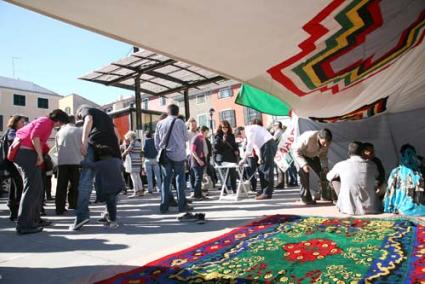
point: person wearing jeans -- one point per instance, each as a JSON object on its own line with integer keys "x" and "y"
{"x": 198, "y": 161}
{"x": 98, "y": 129}
{"x": 178, "y": 167}
{"x": 85, "y": 186}
{"x": 171, "y": 136}
{"x": 151, "y": 164}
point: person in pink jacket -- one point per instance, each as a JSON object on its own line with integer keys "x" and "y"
{"x": 29, "y": 161}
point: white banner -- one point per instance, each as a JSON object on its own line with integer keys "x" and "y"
{"x": 283, "y": 158}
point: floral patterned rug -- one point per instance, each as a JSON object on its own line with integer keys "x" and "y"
{"x": 295, "y": 249}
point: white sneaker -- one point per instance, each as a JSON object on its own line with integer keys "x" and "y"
{"x": 78, "y": 224}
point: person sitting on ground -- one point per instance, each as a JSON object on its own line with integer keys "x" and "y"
{"x": 134, "y": 152}
{"x": 369, "y": 154}
{"x": 405, "y": 190}
{"x": 310, "y": 152}
{"x": 356, "y": 193}
{"x": 262, "y": 141}
{"x": 198, "y": 161}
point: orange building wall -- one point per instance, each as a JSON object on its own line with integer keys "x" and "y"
{"x": 229, "y": 103}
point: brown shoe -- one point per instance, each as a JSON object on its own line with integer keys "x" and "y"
{"x": 263, "y": 197}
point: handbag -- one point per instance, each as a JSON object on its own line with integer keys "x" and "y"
{"x": 162, "y": 154}
{"x": 127, "y": 163}
{"x": 13, "y": 149}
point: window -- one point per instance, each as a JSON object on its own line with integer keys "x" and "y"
{"x": 251, "y": 114}
{"x": 203, "y": 120}
{"x": 68, "y": 110}
{"x": 18, "y": 100}
{"x": 225, "y": 93}
{"x": 145, "y": 103}
{"x": 201, "y": 99}
{"x": 229, "y": 115}
{"x": 162, "y": 101}
{"x": 1, "y": 122}
{"x": 43, "y": 103}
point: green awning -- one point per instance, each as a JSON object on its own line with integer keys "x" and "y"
{"x": 261, "y": 101}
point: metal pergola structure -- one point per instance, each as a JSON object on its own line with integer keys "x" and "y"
{"x": 154, "y": 74}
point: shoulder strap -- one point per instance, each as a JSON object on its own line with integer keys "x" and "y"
{"x": 167, "y": 137}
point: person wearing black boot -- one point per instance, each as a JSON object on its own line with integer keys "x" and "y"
{"x": 16, "y": 186}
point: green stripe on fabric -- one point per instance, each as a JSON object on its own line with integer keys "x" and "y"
{"x": 261, "y": 101}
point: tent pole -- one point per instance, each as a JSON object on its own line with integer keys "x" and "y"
{"x": 138, "y": 101}
{"x": 186, "y": 103}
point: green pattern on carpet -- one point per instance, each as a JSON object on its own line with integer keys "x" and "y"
{"x": 295, "y": 249}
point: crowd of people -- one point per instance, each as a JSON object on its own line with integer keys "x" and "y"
{"x": 91, "y": 156}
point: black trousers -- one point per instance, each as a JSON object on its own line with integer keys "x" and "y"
{"x": 67, "y": 174}
{"x": 305, "y": 193}
{"x": 250, "y": 171}
{"x": 266, "y": 168}
{"x": 15, "y": 191}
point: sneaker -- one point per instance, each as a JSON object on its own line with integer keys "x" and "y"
{"x": 78, "y": 224}
{"x": 104, "y": 218}
{"x": 113, "y": 224}
{"x": 201, "y": 218}
{"x": 136, "y": 194}
{"x": 187, "y": 217}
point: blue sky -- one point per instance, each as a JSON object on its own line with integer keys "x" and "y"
{"x": 53, "y": 54}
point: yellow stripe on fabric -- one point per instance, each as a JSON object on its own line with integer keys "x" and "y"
{"x": 342, "y": 41}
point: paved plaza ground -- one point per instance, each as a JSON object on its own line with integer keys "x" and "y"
{"x": 59, "y": 256}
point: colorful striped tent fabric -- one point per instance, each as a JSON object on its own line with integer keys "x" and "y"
{"x": 325, "y": 59}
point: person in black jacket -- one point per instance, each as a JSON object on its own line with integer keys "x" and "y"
{"x": 16, "y": 184}
{"x": 226, "y": 150}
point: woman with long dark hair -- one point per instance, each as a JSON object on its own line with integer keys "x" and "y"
{"x": 29, "y": 161}
{"x": 15, "y": 122}
{"x": 226, "y": 150}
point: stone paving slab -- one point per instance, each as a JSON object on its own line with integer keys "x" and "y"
{"x": 59, "y": 256}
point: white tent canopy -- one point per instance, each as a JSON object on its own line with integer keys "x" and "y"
{"x": 323, "y": 58}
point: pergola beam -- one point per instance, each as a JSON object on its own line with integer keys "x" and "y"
{"x": 141, "y": 71}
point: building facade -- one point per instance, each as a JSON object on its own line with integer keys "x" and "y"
{"x": 24, "y": 98}
{"x": 70, "y": 103}
{"x": 221, "y": 99}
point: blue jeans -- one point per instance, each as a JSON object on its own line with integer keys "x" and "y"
{"x": 152, "y": 168}
{"x": 178, "y": 169}
{"x": 199, "y": 174}
{"x": 111, "y": 206}
{"x": 85, "y": 187}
